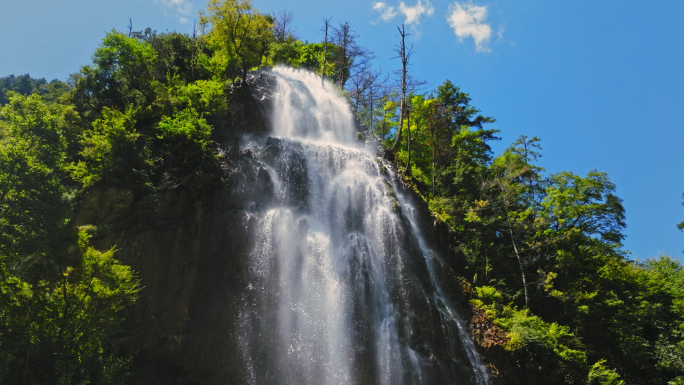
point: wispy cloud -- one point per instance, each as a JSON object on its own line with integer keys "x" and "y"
{"x": 468, "y": 20}
{"x": 387, "y": 12}
{"x": 500, "y": 31}
{"x": 181, "y": 8}
{"x": 412, "y": 14}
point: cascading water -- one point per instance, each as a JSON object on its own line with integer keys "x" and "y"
{"x": 342, "y": 288}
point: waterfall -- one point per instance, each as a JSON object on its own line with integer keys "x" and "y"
{"x": 342, "y": 288}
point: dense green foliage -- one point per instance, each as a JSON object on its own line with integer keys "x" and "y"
{"x": 540, "y": 251}
{"x": 57, "y": 319}
{"x": 25, "y": 85}
{"x": 60, "y": 299}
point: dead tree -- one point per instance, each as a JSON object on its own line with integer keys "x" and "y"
{"x": 349, "y": 56}
{"x": 282, "y": 26}
{"x": 368, "y": 85}
{"x": 377, "y": 88}
{"x": 325, "y": 48}
{"x": 404, "y": 56}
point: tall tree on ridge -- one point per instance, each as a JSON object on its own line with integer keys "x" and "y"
{"x": 377, "y": 88}
{"x": 368, "y": 86}
{"x": 404, "y": 57}
{"x": 282, "y": 26}
{"x": 325, "y": 51}
{"x": 349, "y": 55}
{"x": 241, "y": 33}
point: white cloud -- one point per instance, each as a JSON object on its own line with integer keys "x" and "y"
{"x": 414, "y": 13}
{"x": 468, "y": 20}
{"x": 181, "y": 8}
{"x": 387, "y": 12}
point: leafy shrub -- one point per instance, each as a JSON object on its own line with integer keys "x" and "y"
{"x": 59, "y": 328}
{"x": 602, "y": 375}
{"x": 110, "y": 149}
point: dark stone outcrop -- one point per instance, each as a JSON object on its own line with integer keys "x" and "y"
{"x": 189, "y": 246}
{"x": 191, "y": 262}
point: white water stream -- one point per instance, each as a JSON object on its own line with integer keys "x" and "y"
{"x": 342, "y": 286}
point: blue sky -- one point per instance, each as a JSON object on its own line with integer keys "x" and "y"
{"x": 600, "y": 82}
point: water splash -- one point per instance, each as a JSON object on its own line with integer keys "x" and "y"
{"x": 307, "y": 108}
{"x": 342, "y": 287}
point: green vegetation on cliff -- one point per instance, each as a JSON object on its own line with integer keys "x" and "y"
{"x": 60, "y": 299}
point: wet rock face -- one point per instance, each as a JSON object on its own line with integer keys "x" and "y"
{"x": 381, "y": 286}
{"x": 249, "y": 109}
{"x": 191, "y": 259}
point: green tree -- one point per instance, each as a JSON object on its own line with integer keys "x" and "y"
{"x": 26, "y": 85}
{"x": 542, "y": 352}
{"x": 112, "y": 150}
{"x": 59, "y": 306}
{"x": 31, "y": 167}
{"x": 458, "y": 115}
{"x": 176, "y": 55}
{"x": 121, "y": 75}
{"x": 183, "y": 148}
{"x": 241, "y": 34}
{"x": 348, "y": 55}
{"x": 513, "y": 197}
{"x": 460, "y": 152}
{"x": 58, "y": 329}
{"x": 288, "y": 53}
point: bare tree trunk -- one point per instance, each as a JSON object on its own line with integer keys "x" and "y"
{"x": 193, "y": 61}
{"x": 370, "y": 120}
{"x": 517, "y": 255}
{"x": 433, "y": 131}
{"x": 522, "y": 269}
{"x": 384, "y": 122}
{"x": 397, "y": 142}
{"x": 401, "y": 50}
{"x": 434, "y": 170}
{"x": 325, "y": 49}
{"x": 342, "y": 40}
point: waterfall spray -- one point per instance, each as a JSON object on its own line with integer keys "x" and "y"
{"x": 342, "y": 286}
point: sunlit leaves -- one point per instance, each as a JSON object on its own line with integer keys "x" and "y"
{"x": 121, "y": 75}
{"x": 587, "y": 204}
{"x": 110, "y": 147}
{"x": 31, "y": 167}
{"x": 185, "y": 125}
{"x": 240, "y": 33}
{"x": 55, "y": 330}
{"x": 548, "y": 350}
